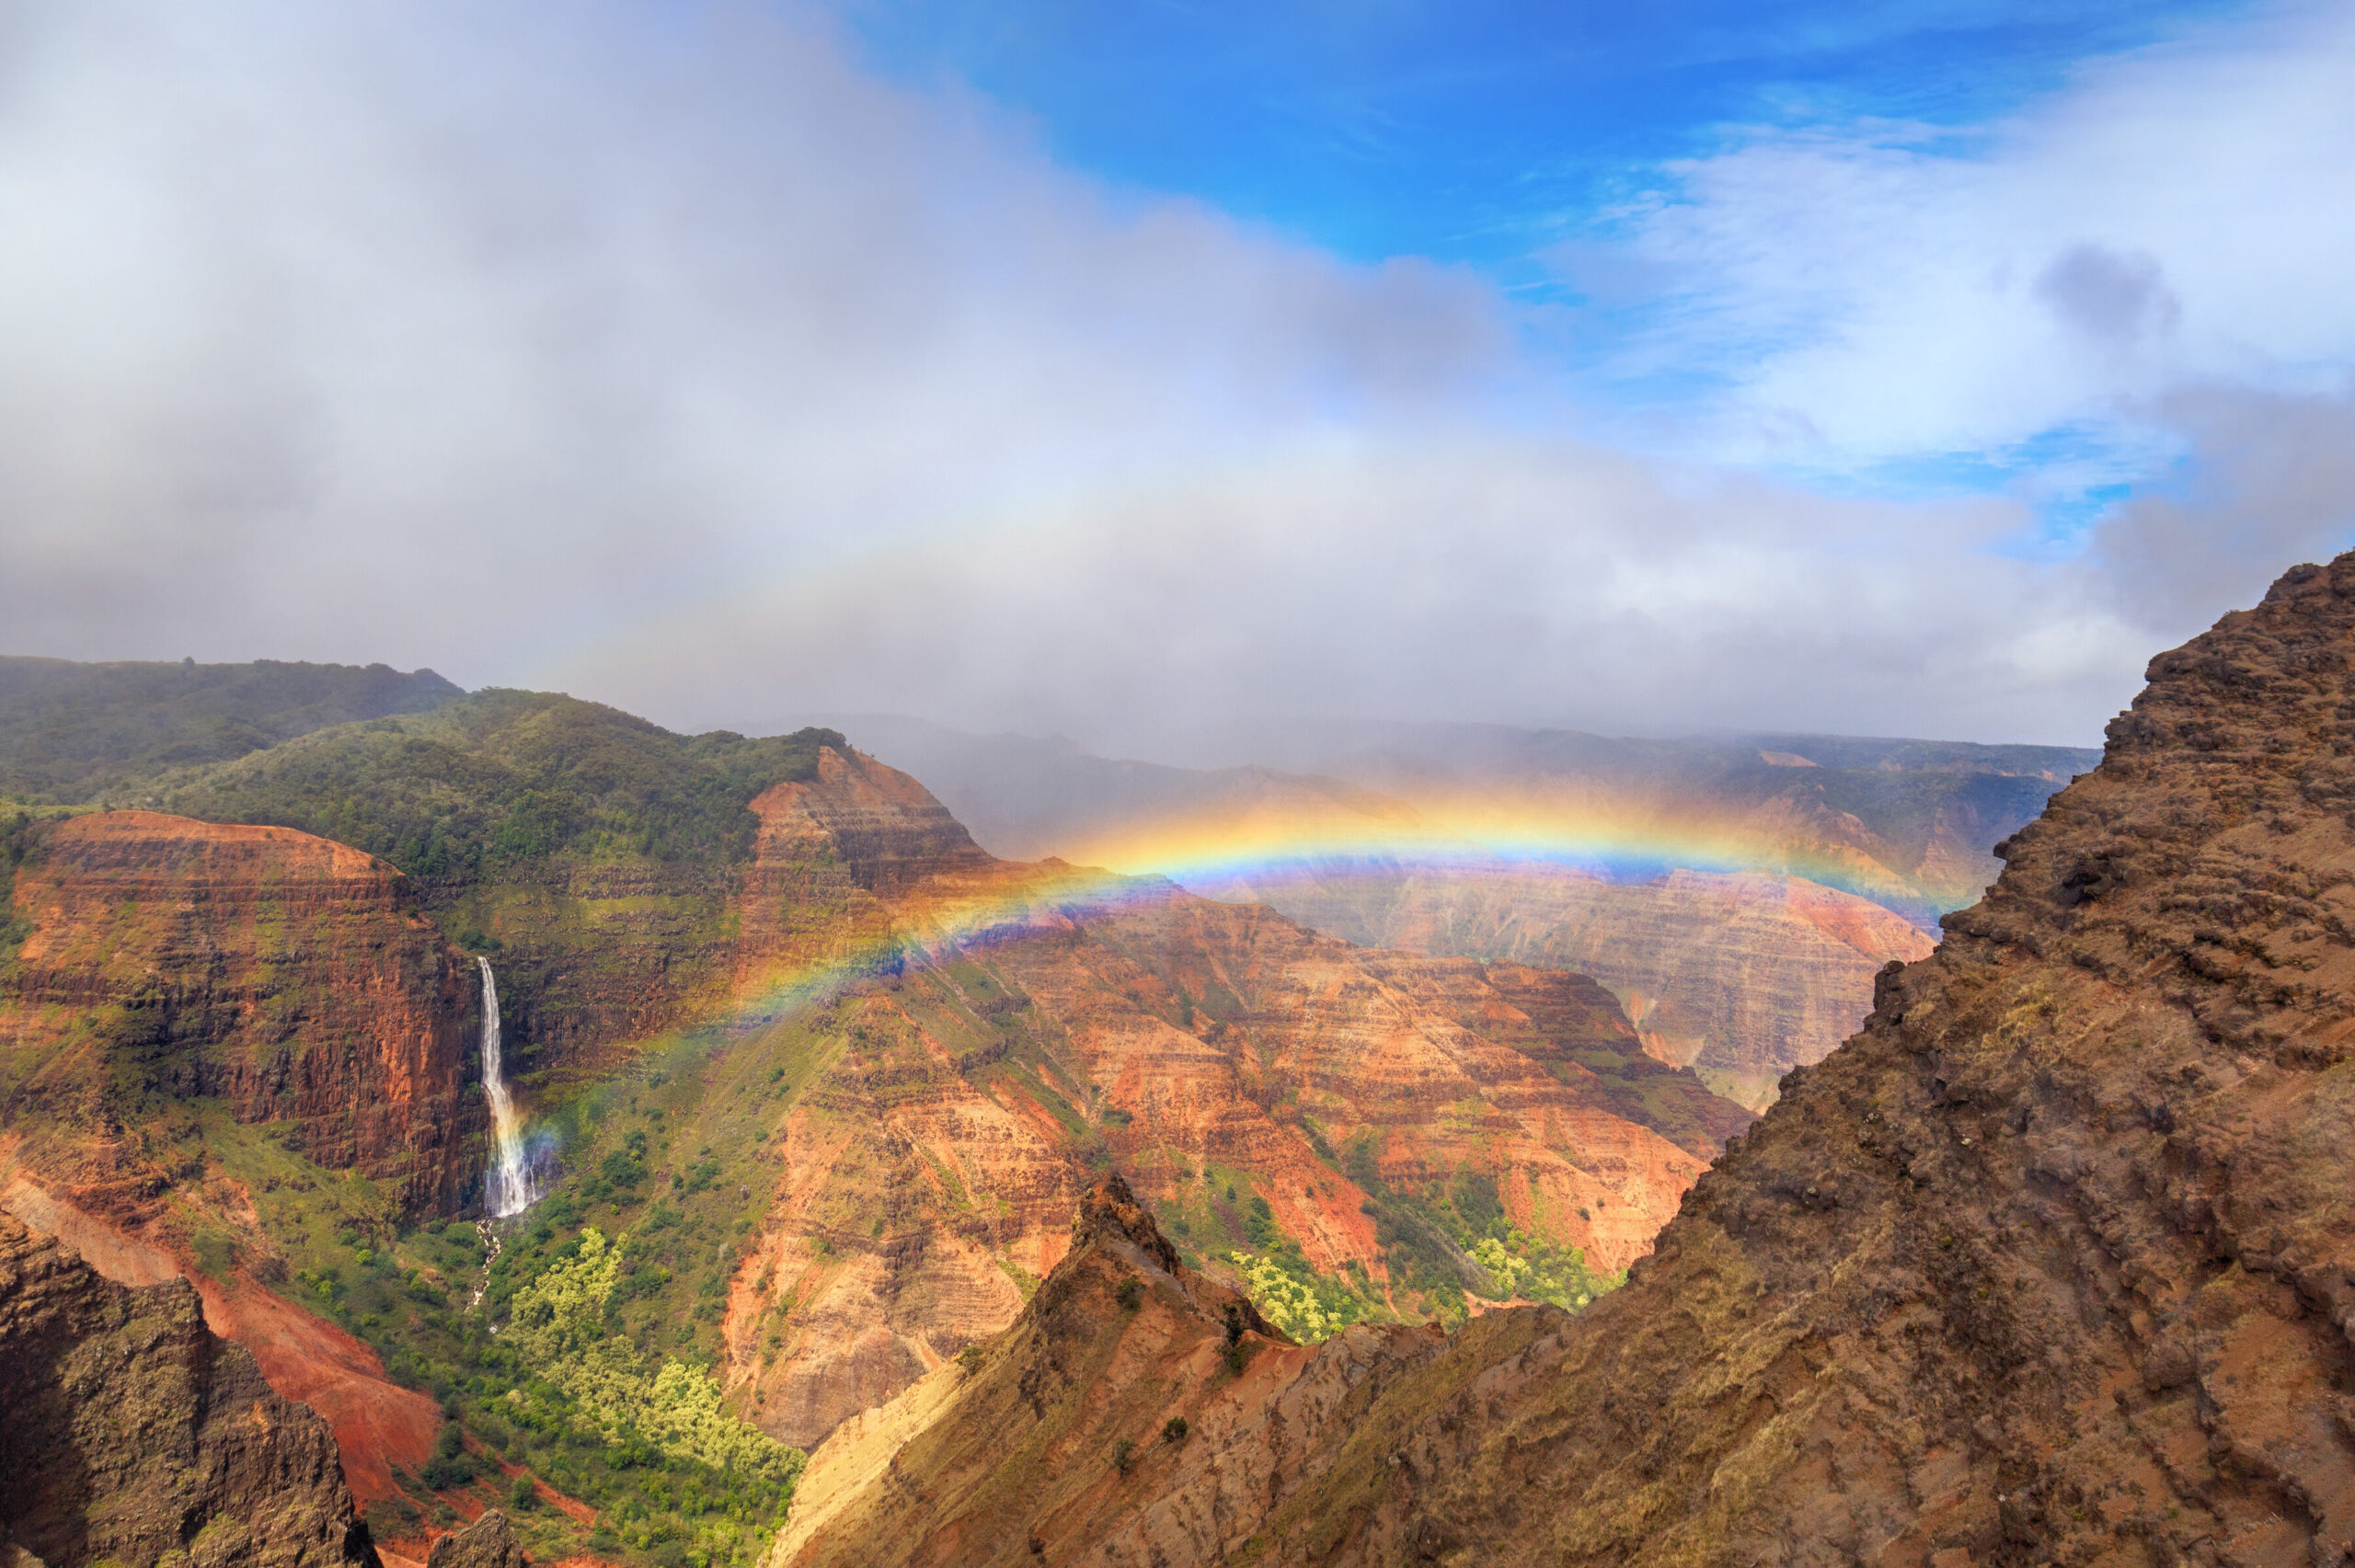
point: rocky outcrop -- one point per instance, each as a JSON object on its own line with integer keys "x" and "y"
{"x": 489, "y": 1542}
{"x": 291, "y": 976}
{"x": 1132, "y": 1413}
{"x": 132, "y": 1435}
{"x": 1739, "y": 976}
{"x": 2050, "y": 1265}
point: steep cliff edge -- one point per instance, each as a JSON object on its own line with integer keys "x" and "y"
{"x": 2052, "y": 1265}
{"x": 1133, "y": 1410}
{"x": 290, "y": 976}
{"x": 132, "y": 1435}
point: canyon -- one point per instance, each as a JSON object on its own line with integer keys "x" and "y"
{"x": 1739, "y": 976}
{"x": 1557, "y": 848}
{"x": 827, "y": 1081}
{"x": 869, "y": 1097}
{"x": 2050, "y": 1265}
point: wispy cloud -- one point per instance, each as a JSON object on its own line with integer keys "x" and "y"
{"x": 1867, "y": 294}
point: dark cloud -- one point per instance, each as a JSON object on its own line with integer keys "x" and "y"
{"x": 2120, "y": 300}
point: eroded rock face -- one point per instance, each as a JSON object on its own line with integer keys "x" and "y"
{"x": 1739, "y": 976}
{"x": 131, "y": 1434}
{"x": 1135, "y": 1411}
{"x": 489, "y": 1542}
{"x": 2053, "y": 1263}
{"x": 927, "y": 1172}
{"x": 287, "y": 974}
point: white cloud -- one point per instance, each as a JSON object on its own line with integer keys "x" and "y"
{"x": 668, "y": 359}
{"x": 2172, "y": 217}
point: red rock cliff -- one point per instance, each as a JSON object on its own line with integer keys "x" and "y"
{"x": 289, "y": 975}
{"x": 132, "y": 1435}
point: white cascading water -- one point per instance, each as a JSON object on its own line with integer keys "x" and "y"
{"x": 509, "y": 1183}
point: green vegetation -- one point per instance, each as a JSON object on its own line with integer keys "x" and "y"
{"x": 15, "y": 843}
{"x": 588, "y": 1363}
{"x": 1462, "y": 1240}
{"x": 1309, "y": 1306}
{"x": 500, "y": 782}
{"x": 73, "y": 734}
{"x": 558, "y": 1324}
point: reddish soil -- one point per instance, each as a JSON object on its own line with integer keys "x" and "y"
{"x": 376, "y": 1421}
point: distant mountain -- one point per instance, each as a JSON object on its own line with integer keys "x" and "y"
{"x": 1906, "y": 823}
{"x": 1027, "y": 798}
{"x": 1736, "y": 895}
{"x": 70, "y": 733}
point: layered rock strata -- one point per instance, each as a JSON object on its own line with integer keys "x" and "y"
{"x": 2052, "y": 1265}
{"x": 291, "y": 977}
{"x": 1020, "y": 1025}
{"x": 1132, "y": 1403}
{"x": 1739, "y": 976}
{"x": 132, "y": 1435}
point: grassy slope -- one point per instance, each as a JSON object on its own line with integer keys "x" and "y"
{"x": 76, "y": 733}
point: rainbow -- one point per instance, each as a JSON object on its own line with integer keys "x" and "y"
{"x": 1145, "y": 864}
{"x": 1218, "y": 856}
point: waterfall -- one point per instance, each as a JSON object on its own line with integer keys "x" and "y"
{"x": 508, "y": 1186}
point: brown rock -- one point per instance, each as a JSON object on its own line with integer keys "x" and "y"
{"x": 1739, "y": 976}
{"x": 131, "y": 1434}
{"x": 1061, "y": 1441}
{"x": 1173, "y": 1034}
{"x": 489, "y": 1542}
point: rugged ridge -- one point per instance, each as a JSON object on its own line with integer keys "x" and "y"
{"x": 2052, "y": 1263}
{"x": 132, "y": 1435}
{"x": 1741, "y": 977}
{"x": 1126, "y": 1415}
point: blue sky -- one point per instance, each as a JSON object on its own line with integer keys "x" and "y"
{"x": 1515, "y": 139}
{"x": 1150, "y": 372}
{"x": 1474, "y": 133}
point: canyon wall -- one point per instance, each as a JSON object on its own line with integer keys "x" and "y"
{"x": 993, "y": 1033}
{"x": 289, "y": 977}
{"x": 2050, "y": 1265}
{"x": 1741, "y": 977}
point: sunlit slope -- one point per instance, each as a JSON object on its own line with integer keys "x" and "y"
{"x": 2050, "y": 1264}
